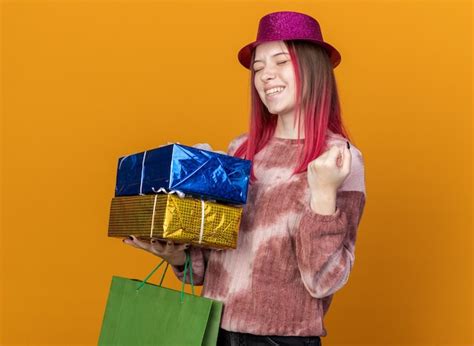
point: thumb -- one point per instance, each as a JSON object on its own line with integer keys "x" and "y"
{"x": 181, "y": 247}
{"x": 334, "y": 154}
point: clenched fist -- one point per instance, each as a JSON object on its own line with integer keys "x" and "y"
{"x": 327, "y": 172}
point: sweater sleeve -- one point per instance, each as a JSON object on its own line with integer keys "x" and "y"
{"x": 199, "y": 256}
{"x": 325, "y": 244}
{"x": 236, "y": 143}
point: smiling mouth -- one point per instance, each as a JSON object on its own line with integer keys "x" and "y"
{"x": 274, "y": 91}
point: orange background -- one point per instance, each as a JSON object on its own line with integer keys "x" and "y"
{"x": 84, "y": 83}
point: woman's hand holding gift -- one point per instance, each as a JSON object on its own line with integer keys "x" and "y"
{"x": 172, "y": 253}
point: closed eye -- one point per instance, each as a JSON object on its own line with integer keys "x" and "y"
{"x": 278, "y": 63}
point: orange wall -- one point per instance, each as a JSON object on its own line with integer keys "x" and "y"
{"x": 84, "y": 83}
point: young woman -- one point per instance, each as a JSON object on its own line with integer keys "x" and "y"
{"x": 305, "y": 200}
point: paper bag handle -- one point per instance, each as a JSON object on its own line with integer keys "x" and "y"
{"x": 187, "y": 265}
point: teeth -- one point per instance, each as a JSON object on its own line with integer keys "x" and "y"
{"x": 274, "y": 90}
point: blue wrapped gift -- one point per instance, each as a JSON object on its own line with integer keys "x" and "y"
{"x": 197, "y": 172}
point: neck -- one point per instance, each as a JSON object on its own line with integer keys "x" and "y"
{"x": 286, "y": 127}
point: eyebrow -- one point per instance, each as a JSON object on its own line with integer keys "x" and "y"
{"x": 272, "y": 56}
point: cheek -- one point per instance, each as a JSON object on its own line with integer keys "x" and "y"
{"x": 292, "y": 89}
{"x": 290, "y": 78}
{"x": 260, "y": 92}
{"x": 258, "y": 85}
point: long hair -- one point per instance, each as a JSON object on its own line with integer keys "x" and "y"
{"x": 316, "y": 101}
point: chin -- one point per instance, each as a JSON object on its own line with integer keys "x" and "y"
{"x": 276, "y": 110}
{"x": 271, "y": 111}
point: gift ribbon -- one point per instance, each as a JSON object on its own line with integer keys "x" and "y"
{"x": 143, "y": 173}
{"x": 142, "y": 177}
{"x": 122, "y": 160}
{"x": 180, "y": 195}
{"x": 201, "y": 232}
{"x": 153, "y": 217}
{"x": 162, "y": 189}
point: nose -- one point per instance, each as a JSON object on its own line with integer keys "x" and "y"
{"x": 267, "y": 74}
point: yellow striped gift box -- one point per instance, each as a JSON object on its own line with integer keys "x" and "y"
{"x": 182, "y": 220}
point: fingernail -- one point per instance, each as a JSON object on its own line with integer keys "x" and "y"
{"x": 170, "y": 243}
{"x": 348, "y": 145}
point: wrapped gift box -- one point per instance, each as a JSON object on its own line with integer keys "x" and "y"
{"x": 197, "y": 172}
{"x": 183, "y": 220}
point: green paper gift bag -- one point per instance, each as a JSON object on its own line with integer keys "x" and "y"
{"x": 140, "y": 313}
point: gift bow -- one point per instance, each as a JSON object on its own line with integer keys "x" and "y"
{"x": 162, "y": 189}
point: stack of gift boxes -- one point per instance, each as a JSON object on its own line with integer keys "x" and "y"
{"x": 180, "y": 193}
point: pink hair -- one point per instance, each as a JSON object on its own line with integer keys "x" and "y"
{"x": 320, "y": 106}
